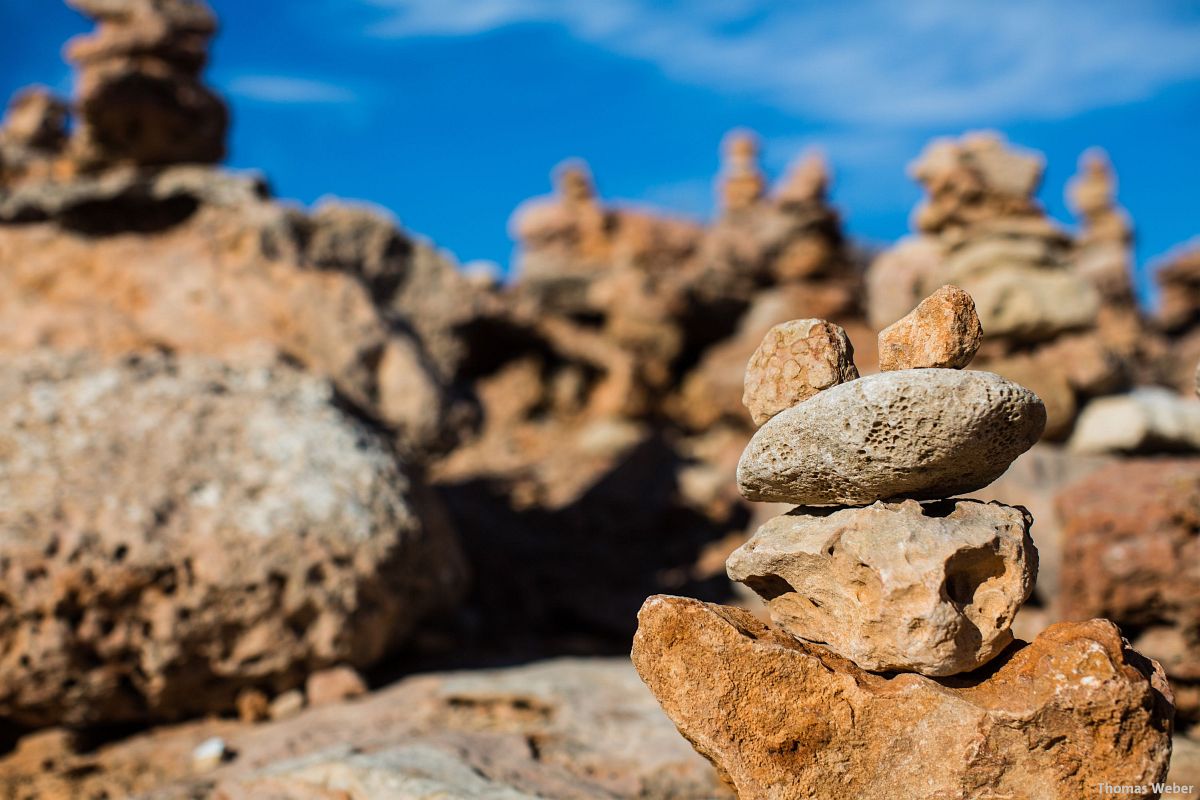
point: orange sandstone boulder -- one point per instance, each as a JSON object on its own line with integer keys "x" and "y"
{"x": 781, "y": 719}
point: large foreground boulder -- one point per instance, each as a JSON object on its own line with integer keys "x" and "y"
{"x": 174, "y": 530}
{"x": 780, "y": 719}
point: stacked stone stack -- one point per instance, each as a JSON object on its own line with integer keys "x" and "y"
{"x": 881, "y": 586}
{"x": 144, "y": 63}
{"x": 862, "y": 567}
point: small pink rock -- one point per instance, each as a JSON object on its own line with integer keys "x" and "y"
{"x": 943, "y": 331}
{"x": 796, "y": 360}
{"x": 333, "y": 686}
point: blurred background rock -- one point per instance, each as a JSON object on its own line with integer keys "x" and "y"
{"x": 259, "y": 458}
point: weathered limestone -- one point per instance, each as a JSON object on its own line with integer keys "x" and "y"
{"x": 796, "y": 360}
{"x": 781, "y": 719}
{"x": 922, "y": 434}
{"x": 929, "y": 588}
{"x": 175, "y": 530}
{"x": 1147, "y": 420}
{"x": 943, "y": 331}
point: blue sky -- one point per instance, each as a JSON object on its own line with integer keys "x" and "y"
{"x": 451, "y": 112}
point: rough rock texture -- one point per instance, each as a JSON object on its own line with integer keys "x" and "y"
{"x": 943, "y": 331}
{"x": 33, "y": 135}
{"x": 581, "y": 729}
{"x": 1033, "y": 482}
{"x": 908, "y": 587}
{"x": 143, "y": 63}
{"x": 781, "y": 719}
{"x": 1147, "y": 420}
{"x": 220, "y": 268}
{"x": 1185, "y": 762}
{"x": 1131, "y": 553}
{"x": 796, "y": 360}
{"x": 173, "y": 531}
{"x": 1179, "y": 280}
{"x": 923, "y": 434}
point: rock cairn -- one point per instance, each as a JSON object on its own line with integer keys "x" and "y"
{"x": 880, "y": 586}
{"x": 1106, "y": 233}
{"x": 144, "y": 63}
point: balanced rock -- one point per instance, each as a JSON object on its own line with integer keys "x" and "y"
{"x": 796, "y": 360}
{"x": 921, "y": 434}
{"x": 781, "y": 719}
{"x": 943, "y": 331}
{"x": 916, "y": 588}
{"x": 174, "y": 531}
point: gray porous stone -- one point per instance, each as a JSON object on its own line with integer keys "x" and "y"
{"x": 922, "y": 434}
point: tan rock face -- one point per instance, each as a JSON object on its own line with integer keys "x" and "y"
{"x": 175, "y": 530}
{"x": 232, "y": 274}
{"x": 1131, "y": 553}
{"x": 781, "y": 719}
{"x": 796, "y": 360}
{"x": 927, "y": 588}
{"x": 924, "y": 434}
{"x": 943, "y": 331}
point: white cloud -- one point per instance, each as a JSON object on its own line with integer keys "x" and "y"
{"x": 882, "y": 62}
{"x": 284, "y": 89}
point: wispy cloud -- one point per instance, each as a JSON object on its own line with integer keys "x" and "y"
{"x": 938, "y": 62}
{"x": 289, "y": 90}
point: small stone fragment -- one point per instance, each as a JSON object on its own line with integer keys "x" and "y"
{"x": 909, "y": 587}
{"x": 920, "y": 434}
{"x": 796, "y": 360}
{"x": 288, "y": 704}
{"x": 333, "y": 686}
{"x": 252, "y": 706}
{"x": 782, "y": 719}
{"x": 943, "y": 331}
{"x": 209, "y": 754}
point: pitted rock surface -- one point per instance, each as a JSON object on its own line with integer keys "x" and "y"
{"x": 175, "y": 530}
{"x": 783, "y": 720}
{"x": 920, "y": 434}
{"x": 796, "y": 360}
{"x": 908, "y": 587}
